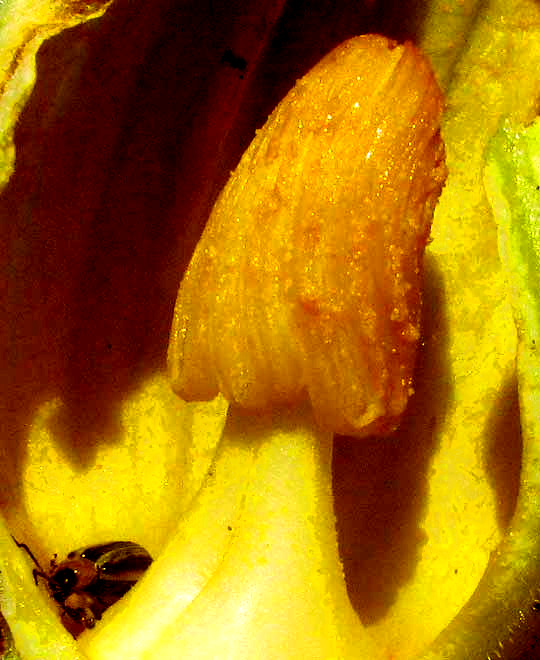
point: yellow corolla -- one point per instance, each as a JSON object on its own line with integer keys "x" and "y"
{"x": 249, "y": 560}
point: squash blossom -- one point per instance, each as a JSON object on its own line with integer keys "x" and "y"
{"x": 273, "y": 537}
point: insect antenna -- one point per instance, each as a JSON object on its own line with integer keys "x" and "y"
{"x": 36, "y": 571}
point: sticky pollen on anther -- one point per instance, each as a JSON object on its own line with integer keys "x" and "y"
{"x": 307, "y": 280}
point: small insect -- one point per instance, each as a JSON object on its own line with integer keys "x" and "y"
{"x": 89, "y": 580}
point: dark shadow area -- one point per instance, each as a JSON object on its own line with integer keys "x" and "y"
{"x": 401, "y": 20}
{"x": 503, "y": 450}
{"x": 380, "y": 484}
